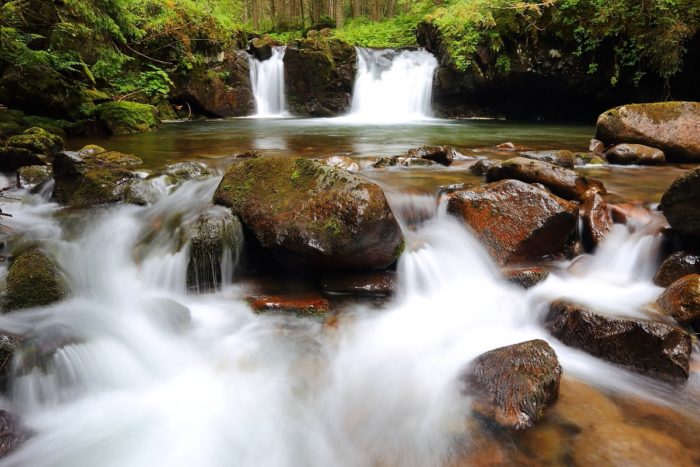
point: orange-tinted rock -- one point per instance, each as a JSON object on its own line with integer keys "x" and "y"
{"x": 514, "y": 384}
{"x": 561, "y": 158}
{"x": 516, "y": 222}
{"x": 637, "y": 154}
{"x": 583, "y": 406}
{"x": 677, "y": 265}
{"x": 296, "y": 304}
{"x": 681, "y": 300}
{"x": 597, "y": 220}
{"x": 596, "y": 146}
{"x": 525, "y": 277}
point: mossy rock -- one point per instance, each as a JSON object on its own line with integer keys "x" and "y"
{"x": 8, "y": 347}
{"x": 37, "y": 140}
{"x": 33, "y": 175}
{"x": 125, "y": 118}
{"x": 589, "y": 158}
{"x": 308, "y": 213}
{"x": 33, "y": 280}
{"x": 12, "y": 159}
{"x": 91, "y": 177}
{"x": 188, "y": 170}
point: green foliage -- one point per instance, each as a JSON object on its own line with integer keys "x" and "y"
{"x": 153, "y": 82}
{"x": 399, "y": 31}
{"x": 127, "y": 117}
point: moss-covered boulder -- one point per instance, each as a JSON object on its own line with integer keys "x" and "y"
{"x": 308, "y": 213}
{"x": 189, "y": 170}
{"x": 91, "y": 176}
{"x": 673, "y": 127}
{"x": 215, "y": 247}
{"x": 37, "y": 140}
{"x": 33, "y": 175}
{"x": 125, "y": 118}
{"x": 33, "y": 280}
{"x": 681, "y": 204}
{"x": 12, "y": 159}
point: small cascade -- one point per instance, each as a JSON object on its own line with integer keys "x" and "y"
{"x": 393, "y": 86}
{"x": 267, "y": 79}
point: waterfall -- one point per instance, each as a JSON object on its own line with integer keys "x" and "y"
{"x": 267, "y": 79}
{"x": 393, "y": 86}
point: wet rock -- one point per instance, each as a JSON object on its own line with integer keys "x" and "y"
{"x": 303, "y": 305}
{"x": 514, "y": 384}
{"x": 670, "y": 126}
{"x": 582, "y": 406}
{"x": 372, "y": 284}
{"x": 481, "y": 166}
{"x": 8, "y": 347}
{"x": 625, "y": 445}
{"x": 188, "y": 170}
{"x": 33, "y": 280}
{"x": 247, "y": 155}
{"x": 562, "y": 182}
{"x": 260, "y": 48}
{"x": 33, "y": 175}
{"x": 126, "y": 118}
{"x": 308, "y": 213}
{"x": 676, "y": 266}
{"x": 525, "y": 277}
{"x": 681, "y": 300}
{"x": 510, "y": 146}
{"x": 37, "y": 140}
{"x": 681, "y": 204}
{"x": 597, "y": 220}
{"x": 443, "y": 155}
{"x": 637, "y": 154}
{"x": 12, "y": 435}
{"x": 12, "y": 159}
{"x": 561, "y": 158}
{"x": 517, "y": 222}
{"x": 589, "y": 158}
{"x": 215, "y": 248}
{"x": 656, "y": 349}
{"x": 89, "y": 180}
{"x": 400, "y": 161}
{"x": 447, "y": 189}
{"x": 596, "y": 146}
{"x": 342, "y": 162}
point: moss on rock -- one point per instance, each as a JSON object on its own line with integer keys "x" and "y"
{"x": 37, "y": 140}
{"x": 33, "y": 175}
{"x": 33, "y": 280}
{"x": 124, "y": 118}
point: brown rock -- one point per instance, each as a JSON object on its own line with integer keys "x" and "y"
{"x": 443, "y": 155}
{"x": 11, "y": 433}
{"x": 676, "y": 266}
{"x": 681, "y": 204}
{"x": 481, "y": 166}
{"x": 526, "y": 277}
{"x": 516, "y": 222}
{"x": 657, "y": 349}
{"x": 561, "y": 158}
{"x": 342, "y": 162}
{"x": 673, "y": 127}
{"x": 514, "y": 384}
{"x": 305, "y": 305}
{"x": 597, "y": 220}
{"x": 596, "y": 146}
{"x": 637, "y": 154}
{"x": 562, "y": 182}
{"x": 681, "y": 300}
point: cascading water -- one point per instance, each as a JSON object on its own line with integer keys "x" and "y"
{"x": 393, "y": 86}
{"x": 135, "y": 384}
{"x": 267, "y": 79}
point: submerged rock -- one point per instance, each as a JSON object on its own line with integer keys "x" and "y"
{"x": 562, "y": 182}
{"x": 597, "y": 220}
{"x": 589, "y": 158}
{"x": 517, "y": 222}
{"x": 481, "y": 166}
{"x": 681, "y": 204}
{"x": 12, "y": 159}
{"x": 125, "y": 118}
{"x": 638, "y": 154}
{"x": 188, "y": 170}
{"x": 673, "y": 127}
{"x": 91, "y": 177}
{"x": 372, "y": 284}
{"x": 215, "y": 248}
{"x": 33, "y": 280}
{"x": 342, "y": 162}
{"x": 681, "y": 300}
{"x": 37, "y": 140}
{"x": 514, "y": 384}
{"x": 401, "y": 161}
{"x": 561, "y": 158}
{"x": 525, "y": 277}
{"x": 308, "y": 213}
{"x": 304, "y": 305}
{"x": 656, "y": 349}
{"x": 676, "y": 266}
{"x": 11, "y": 433}
{"x": 443, "y": 155}
{"x": 33, "y": 175}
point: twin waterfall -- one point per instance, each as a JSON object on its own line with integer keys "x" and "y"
{"x": 391, "y": 86}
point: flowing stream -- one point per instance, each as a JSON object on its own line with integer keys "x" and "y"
{"x": 137, "y": 383}
{"x": 267, "y": 79}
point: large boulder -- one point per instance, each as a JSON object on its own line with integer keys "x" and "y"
{"x": 516, "y": 222}
{"x": 637, "y": 154}
{"x": 656, "y": 349}
{"x": 514, "y": 384}
{"x": 125, "y": 118}
{"x": 306, "y": 212}
{"x": 681, "y": 300}
{"x": 676, "y": 266}
{"x": 215, "y": 248}
{"x": 319, "y": 76}
{"x": 93, "y": 176}
{"x": 681, "y": 204}
{"x": 673, "y": 127}
{"x": 33, "y": 280}
{"x": 562, "y": 182}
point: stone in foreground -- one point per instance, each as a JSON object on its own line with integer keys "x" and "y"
{"x": 517, "y": 222}
{"x": 514, "y": 384}
{"x": 637, "y": 154}
{"x": 655, "y": 349}
{"x": 681, "y": 204}
{"x": 676, "y": 266}
{"x": 681, "y": 300}
{"x": 307, "y": 213}
{"x": 525, "y": 277}
{"x": 33, "y": 280}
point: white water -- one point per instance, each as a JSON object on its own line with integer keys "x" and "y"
{"x": 392, "y": 86}
{"x": 234, "y": 388}
{"x": 267, "y": 79}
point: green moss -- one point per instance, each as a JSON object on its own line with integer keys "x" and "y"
{"x": 33, "y": 175}
{"x": 657, "y": 112}
{"x": 33, "y": 280}
{"x": 123, "y": 118}
{"x": 37, "y": 140}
